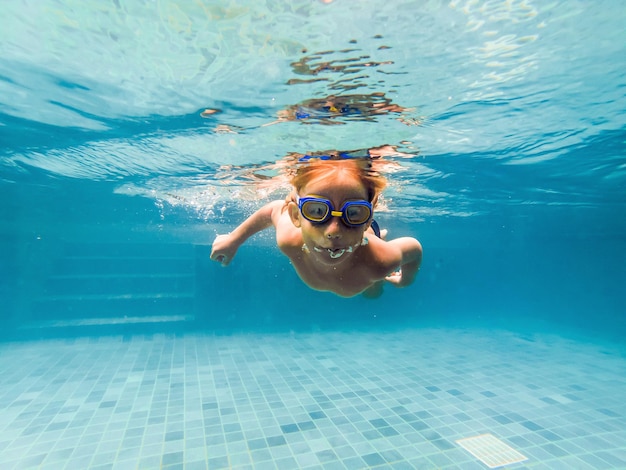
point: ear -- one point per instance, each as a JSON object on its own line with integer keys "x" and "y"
{"x": 294, "y": 214}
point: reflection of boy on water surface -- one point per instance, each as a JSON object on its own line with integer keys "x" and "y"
{"x": 350, "y": 107}
{"x": 333, "y": 109}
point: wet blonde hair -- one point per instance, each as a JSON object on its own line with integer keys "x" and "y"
{"x": 362, "y": 169}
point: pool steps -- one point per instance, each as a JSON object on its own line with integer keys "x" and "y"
{"x": 116, "y": 285}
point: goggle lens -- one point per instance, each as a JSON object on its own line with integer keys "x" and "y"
{"x": 315, "y": 211}
{"x": 357, "y": 213}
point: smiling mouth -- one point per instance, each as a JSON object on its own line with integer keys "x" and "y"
{"x": 334, "y": 254}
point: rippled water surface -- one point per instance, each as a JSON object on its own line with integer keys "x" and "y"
{"x": 500, "y": 101}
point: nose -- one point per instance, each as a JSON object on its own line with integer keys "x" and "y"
{"x": 333, "y": 229}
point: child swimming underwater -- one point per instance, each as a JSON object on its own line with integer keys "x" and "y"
{"x": 325, "y": 227}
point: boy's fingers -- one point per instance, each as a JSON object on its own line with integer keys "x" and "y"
{"x": 222, "y": 259}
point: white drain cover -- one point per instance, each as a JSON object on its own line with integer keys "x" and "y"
{"x": 490, "y": 450}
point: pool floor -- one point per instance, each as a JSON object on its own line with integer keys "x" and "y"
{"x": 328, "y": 400}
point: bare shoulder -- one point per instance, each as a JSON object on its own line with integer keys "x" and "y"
{"x": 277, "y": 208}
{"x": 391, "y": 254}
{"x": 409, "y": 246}
{"x": 288, "y": 236}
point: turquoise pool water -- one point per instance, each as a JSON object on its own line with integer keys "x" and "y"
{"x": 132, "y": 133}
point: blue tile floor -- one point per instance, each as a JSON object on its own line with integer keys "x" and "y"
{"x": 330, "y": 400}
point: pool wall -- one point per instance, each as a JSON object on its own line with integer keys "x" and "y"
{"x": 76, "y": 251}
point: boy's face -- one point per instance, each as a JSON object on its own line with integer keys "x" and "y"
{"x": 331, "y": 242}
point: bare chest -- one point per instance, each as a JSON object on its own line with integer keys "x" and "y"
{"x": 345, "y": 281}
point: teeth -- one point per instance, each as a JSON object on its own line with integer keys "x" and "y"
{"x": 336, "y": 255}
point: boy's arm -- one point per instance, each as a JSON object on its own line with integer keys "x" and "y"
{"x": 225, "y": 246}
{"x": 411, "y": 260}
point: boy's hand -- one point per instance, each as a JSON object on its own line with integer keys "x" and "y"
{"x": 223, "y": 249}
{"x": 395, "y": 278}
{"x": 411, "y": 261}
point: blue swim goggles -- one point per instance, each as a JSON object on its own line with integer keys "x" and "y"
{"x": 319, "y": 210}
